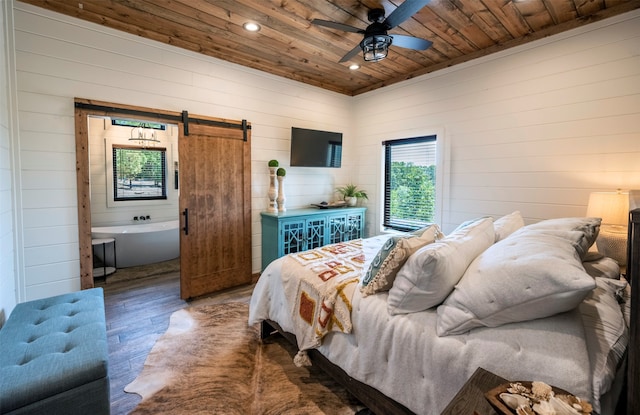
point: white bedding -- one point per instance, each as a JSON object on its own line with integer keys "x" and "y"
{"x": 402, "y": 357}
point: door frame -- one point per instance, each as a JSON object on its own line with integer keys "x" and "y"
{"x": 87, "y": 107}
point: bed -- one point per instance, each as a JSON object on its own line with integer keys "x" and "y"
{"x": 404, "y": 320}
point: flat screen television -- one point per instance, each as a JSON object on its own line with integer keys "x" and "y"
{"x": 313, "y": 148}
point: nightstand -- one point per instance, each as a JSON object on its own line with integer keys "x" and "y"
{"x": 470, "y": 399}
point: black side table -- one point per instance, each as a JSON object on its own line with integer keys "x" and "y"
{"x": 104, "y": 270}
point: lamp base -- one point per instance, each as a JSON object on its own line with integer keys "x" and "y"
{"x": 612, "y": 242}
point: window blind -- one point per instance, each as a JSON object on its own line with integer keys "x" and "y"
{"x": 410, "y": 181}
{"x": 139, "y": 173}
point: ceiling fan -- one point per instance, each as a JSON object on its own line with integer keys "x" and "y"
{"x": 376, "y": 41}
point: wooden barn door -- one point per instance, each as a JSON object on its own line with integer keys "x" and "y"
{"x": 215, "y": 208}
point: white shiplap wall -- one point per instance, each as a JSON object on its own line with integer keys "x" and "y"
{"x": 59, "y": 58}
{"x": 7, "y": 247}
{"x": 534, "y": 128}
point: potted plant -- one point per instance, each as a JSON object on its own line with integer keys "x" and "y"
{"x": 273, "y": 163}
{"x": 350, "y": 194}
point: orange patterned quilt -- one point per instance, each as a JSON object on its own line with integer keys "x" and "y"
{"x": 319, "y": 285}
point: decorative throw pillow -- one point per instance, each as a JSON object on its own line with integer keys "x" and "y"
{"x": 590, "y": 227}
{"x": 507, "y": 225}
{"x": 392, "y": 256}
{"x": 529, "y": 275}
{"x": 431, "y": 273}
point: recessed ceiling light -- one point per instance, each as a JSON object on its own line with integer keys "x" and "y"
{"x": 251, "y": 27}
{"x": 354, "y": 66}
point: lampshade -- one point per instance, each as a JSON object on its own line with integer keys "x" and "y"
{"x": 375, "y": 47}
{"x": 612, "y": 207}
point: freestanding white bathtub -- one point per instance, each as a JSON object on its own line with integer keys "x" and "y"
{"x": 141, "y": 244}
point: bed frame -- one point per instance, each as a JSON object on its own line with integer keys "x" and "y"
{"x": 376, "y": 401}
{"x": 379, "y": 403}
{"x": 633, "y": 276}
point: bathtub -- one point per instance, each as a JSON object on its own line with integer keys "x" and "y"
{"x": 141, "y": 244}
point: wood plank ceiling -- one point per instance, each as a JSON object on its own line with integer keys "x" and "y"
{"x": 289, "y": 45}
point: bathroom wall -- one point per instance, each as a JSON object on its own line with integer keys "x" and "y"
{"x": 104, "y": 210}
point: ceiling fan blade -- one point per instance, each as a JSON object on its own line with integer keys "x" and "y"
{"x": 410, "y": 42}
{"x": 351, "y": 54}
{"x": 405, "y": 11}
{"x": 335, "y": 25}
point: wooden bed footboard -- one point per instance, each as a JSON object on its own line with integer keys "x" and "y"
{"x": 373, "y": 399}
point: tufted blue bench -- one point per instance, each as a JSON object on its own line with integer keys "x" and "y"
{"x": 54, "y": 356}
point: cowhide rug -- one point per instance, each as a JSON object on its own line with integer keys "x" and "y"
{"x": 211, "y": 362}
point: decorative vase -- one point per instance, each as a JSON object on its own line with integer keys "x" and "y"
{"x": 273, "y": 193}
{"x": 281, "y": 197}
{"x": 351, "y": 201}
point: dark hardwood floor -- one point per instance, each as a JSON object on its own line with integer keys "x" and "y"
{"x": 137, "y": 313}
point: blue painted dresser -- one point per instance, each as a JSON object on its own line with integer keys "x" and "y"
{"x": 301, "y": 229}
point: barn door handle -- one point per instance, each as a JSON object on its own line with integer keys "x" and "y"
{"x": 186, "y": 221}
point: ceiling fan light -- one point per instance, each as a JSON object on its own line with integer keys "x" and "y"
{"x": 375, "y": 48}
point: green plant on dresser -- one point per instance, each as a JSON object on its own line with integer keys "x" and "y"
{"x": 302, "y": 229}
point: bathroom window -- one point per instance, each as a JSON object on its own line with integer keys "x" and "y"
{"x": 139, "y": 173}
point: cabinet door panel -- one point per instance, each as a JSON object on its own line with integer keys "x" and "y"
{"x": 316, "y": 229}
{"x": 293, "y": 237}
{"x": 337, "y": 227}
{"x": 354, "y": 227}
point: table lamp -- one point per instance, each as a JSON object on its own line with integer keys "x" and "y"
{"x": 613, "y": 208}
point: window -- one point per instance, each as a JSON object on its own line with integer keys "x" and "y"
{"x": 409, "y": 183}
{"x": 139, "y": 173}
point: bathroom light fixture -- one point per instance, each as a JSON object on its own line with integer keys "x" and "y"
{"x": 354, "y": 66}
{"x": 251, "y": 27}
{"x": 613, "y": 208}
{"x": 144, "y": 136}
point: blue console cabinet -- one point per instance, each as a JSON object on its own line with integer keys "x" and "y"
{"x": 301, "y": 229}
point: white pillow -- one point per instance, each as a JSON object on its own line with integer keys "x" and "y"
{"x": 590, "y": 227}
{"x": 531, "y": 274}
{"x": 508, "y": 224}
{"x": 430, "y": 274}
